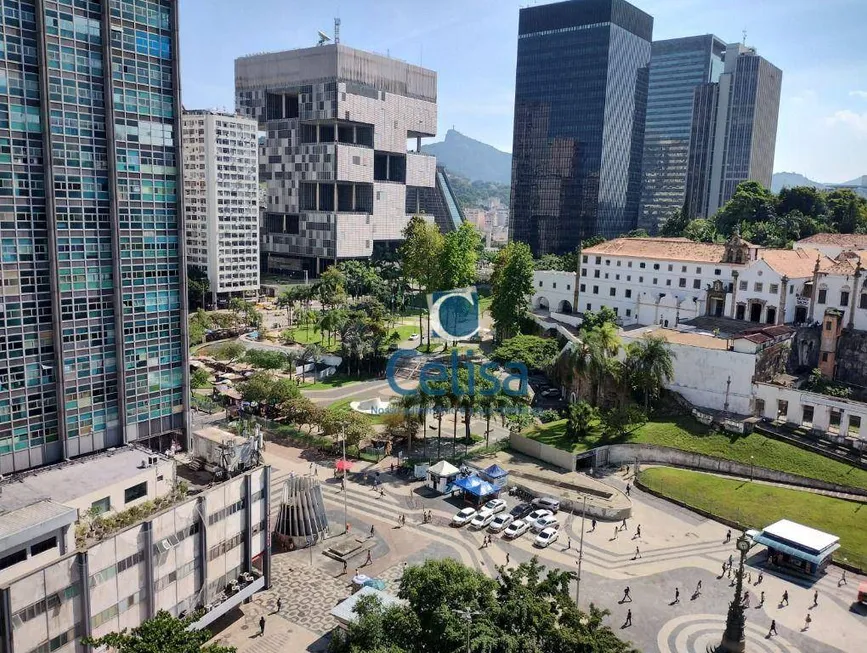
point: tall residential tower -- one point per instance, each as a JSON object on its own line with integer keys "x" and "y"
{"x": 734, "y": 130}
{"x": 580, "y": 100}
{"x": 677, "y": 67}
{"x": 340, "y": 180}
{"x": 221, "y": 200}
{"x": 93, "y": 321}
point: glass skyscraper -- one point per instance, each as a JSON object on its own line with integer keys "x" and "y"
{"x": 677, "y": 67}
{"x": 93, "y": 343}
{"x": 580, "y": 100}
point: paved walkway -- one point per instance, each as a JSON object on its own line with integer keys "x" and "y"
{"x": 677, "y": 549}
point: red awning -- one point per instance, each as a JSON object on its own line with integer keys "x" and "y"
{"x": 343, "y": 465}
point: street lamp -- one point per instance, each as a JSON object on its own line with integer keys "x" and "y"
{"x": 733, "y": 639}
{"x": 751, "y": 469}
{"x": 580, "y": 554}
{"x": 468, "y": 616}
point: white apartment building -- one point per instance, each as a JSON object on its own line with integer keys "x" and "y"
{"x": 221, "y": 199}
{"x": 209, "y": 550}
{"x": 667, "y": 281}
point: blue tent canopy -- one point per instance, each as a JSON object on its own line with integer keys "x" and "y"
{"x": 495, "y": 471}
{"x": 475, "y": 486}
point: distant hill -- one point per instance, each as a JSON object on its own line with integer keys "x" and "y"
{"x": 782, "y": 180}
{"x": 477, "y": 194}
{"x": 471, "y": 159}
{"x": 858, "y": 181}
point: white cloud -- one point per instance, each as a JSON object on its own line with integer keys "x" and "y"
{"x": 855, "y": 121}
{"x": 860, "y": 94}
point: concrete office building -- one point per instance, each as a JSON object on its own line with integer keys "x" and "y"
{"x": 734, "y": 130}
{"x": 580, "y": 100}
{"x": 93, "y": 316}
{"x": 340, "y": 181}
{"x": 210, "y": 550}
{"x": 221, "y": 203}
{"x": 677, "y": 67}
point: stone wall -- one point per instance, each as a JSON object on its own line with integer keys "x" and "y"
{"x": 804, "y": 355}
{"x": 545, "y": 452}
{"x": 852, "y": 357}
{"x": 628, "y": 453}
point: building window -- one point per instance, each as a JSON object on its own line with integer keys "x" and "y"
{"x": 13, "y": 559}
{"x": 670, "y": 267}
{"x": 828, "y": 325}
{"x": 608, "y": 261}
{"x": 135, "y": 492}
{"x": 668, "y": 282}
{"x": 782, "y": 409}
{"x": 589, "y": 307}
{"x": 595, "y": 274}
{"x": 583, "y": 272}
{"x": 598, "y": 260}
{"x": 640, "y": 279}
{"x": 642, "y": 265}
{"x": 612, "y": 292}
{"x": 774, "y": 288}
{"x": 717, "y": 272}
{"x": 758, "y": 286}
{"x": 595, "y": 290}
{"x": 698, "y": 270}
{"x": 628, "y": 293}
{"x": 540, "y": 284}
{"x": 844, "y": 298}
{"x": 863, "y": 302}
{"x": 584, "y": 259}
{"x": 554, "y": 284}
{"x": 43, "y": 546}
{"x": 654, "y": 281}
{"x": 656, "y": 266}
{"x": 568, "y": 286}
{"x": 682, "y": 282}
{"x": 742, "y": 285}
{"x": 629, "y": 264}
{"x": 823, "y": 294}
{"x": 696, "y": 284}
{"x": 582, "y": 287}
{"x": 101, "y": 506}
{"x": 628, "y": 312}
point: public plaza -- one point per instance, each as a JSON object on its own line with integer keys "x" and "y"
{"x": 678, "y": 549}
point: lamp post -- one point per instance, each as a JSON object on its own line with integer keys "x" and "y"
{"x": 733, "y": 639}
{"x": 580, "y": 554}
{"x": 468, "y": 616}
{"x": 751, "y": 469}
{"x": 345, "y": 489}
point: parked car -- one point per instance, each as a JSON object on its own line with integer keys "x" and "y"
{"x": 550, "y": 393}
{"x": 482, "y": 518}
{"x": 546, "y": 537}
{"x": 465, "y": 516}
{"x": 548, "y": 521}
{"x": 495, "y": 505}
{"x": 500, "y": 522}
{"x": 413, "y": 336}
{"x": 521, "y": 510}
{"x": 549, "y": 503}
{"x": 537, "y": 514}
{"x": 516, "y": 529}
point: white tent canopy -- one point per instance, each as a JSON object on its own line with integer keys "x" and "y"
{"x": 443, "y": 468}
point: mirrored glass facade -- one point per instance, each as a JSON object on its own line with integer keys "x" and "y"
{"x": 580, "y": 101}
{"x": 677, "y": 67}
{"x": 93, "y": 344}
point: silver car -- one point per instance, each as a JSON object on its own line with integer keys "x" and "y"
{"x": 500, "y": 523}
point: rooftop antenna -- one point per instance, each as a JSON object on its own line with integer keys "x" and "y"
{"x": 337, "y": 30}
{"x": 323, "y": 38}
{"x": 745, "y": 35}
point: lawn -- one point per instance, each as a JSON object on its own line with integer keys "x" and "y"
{"x": 344, "y": 403}
{"x": 756, "y": 505}
{"x": 688, "y": 435}
{"x": 334, "y": 381}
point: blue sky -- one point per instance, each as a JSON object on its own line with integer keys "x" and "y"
{"x": 819, "y": 45}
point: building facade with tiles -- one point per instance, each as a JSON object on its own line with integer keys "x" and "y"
{"x": 339, "y": 178}
{"x": 221, "y": 200}
{"x": 176, "y": 560}
{"x": 93, "y": 347}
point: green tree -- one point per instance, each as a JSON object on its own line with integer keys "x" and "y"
{"x": 595, "y": 319}
{"x": 421, "y": 254}
{"x": 804, "y": 199}
{"x": 343, "y": 421}
{"x": 460, "y": 257}
{"x": 847, "y": 211}
{"x": 331, "y": 287}
{"x": 602, "y": 344}
{"x": 228, "y": 351}
{"x": 199, "y": 378}
{"x": 581, "y": 421}
{"x": 701, "y": 230}
{"x": 620, "y": 419}
{"x": 162, "y": 634}
{"x": 750, "y": 203}
{"x": 512, "y": 288}
{"x": 675, "y": 224}
{"x": 547, "y": 262}
{"x": 361, "y": 278}
{"x": 535, "y": 352}
{"x": 200, "y": 322}
{"x": 267, "y": 359}
{"x": 592, "y": 241}
{"x": 257, "y": 388}
{"x": 198, "y": 285}
{"x": 238, "y": 307}
{"x": 649, "y": 366}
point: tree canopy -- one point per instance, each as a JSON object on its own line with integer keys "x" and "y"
{"x": 528, "y": 609}
{"x": 162, "y": 634}
{"x": 512, "y": 288}
{"x": 535, "y": 352}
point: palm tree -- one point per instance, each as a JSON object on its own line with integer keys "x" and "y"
{"x": 649, "y": 365}
{"x": 602, "y": 343}
{"x": 440, "y": 408}
{"x": 312, "y": 352}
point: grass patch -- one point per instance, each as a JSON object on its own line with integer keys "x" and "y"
{"x": 334, "y": 381}
{"x": 688, "y": 435}
{"x": 756, "y": 505}
{"x": 344, "y": 403}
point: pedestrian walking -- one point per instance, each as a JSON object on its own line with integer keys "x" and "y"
{"x": 592, "y": 524}
{"x": 808, "y": 621}
{"x": 842, "y": 579}
{"x": 627, "y": 489}
{"x": 677, "y": 595}
{"x": 728, "y": 536}
{"x": 637, "y": 554}
{"x": 369, "y": 558}
{"x": 815, "y": 598}
{"x": 316, "y": 471}
{"x": 723, "y": 570}
{"x": 569, "y": 544}
{"x": 785, "y": 597}
{"x": 372, "y": 530}
{"x": 261, "y": 625}
{"x": 761, "y": 599}
{"x": 731, "y": 560}
{"x": 616, "y": 531}
{"x": 279, "y": 604}
{"x": 392, "y": 468}
{"x": 345, "y": 566}
{"x": 773, "y": 629}
{"x": 626, "y": 596}
{"x": 746, "y": 599}
{"x": 698, "y": 588}
{"x": 638, "y": 531}
{"x": 729, "y": 571}
{"x": 310, "y": 467}
{"x": 507, "y": 557}
{"x": 628, "y": 621}
{"x": 623, "y": 525}
{"x": 760, "y": 578}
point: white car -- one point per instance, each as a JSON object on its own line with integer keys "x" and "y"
{"x": 548, "y": 521}
{"x": 500, "y": 522}
{"x": 516, "y": 529}
{"x": 495, "y": 505}
{"x": 464, "y": 517}
{"x": 547, "y": 536}
{"x": 413, "y": 336}
{"x": 537, "y": 514}
{"x": 482, "y": 518}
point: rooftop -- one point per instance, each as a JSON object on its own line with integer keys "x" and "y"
{"x": 800, "y": 534}
{"x": 218, "y": 435}
{"x": 689, "y": 338}
{"x": 670, "y": 249}
{"x": 345, "y": 610}
{"x": 794, "y": 263}
{"x": 846, "y": 241}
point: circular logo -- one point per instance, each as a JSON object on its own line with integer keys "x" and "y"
{"x": 455, "y": 314}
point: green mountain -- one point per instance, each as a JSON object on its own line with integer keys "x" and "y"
{"x": 471, "y": 159}
{"x": 782, "y": 180}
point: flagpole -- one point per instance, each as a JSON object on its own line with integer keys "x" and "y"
{"x": 345, "y": 518}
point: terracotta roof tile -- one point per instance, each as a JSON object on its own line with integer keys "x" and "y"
{"x": 794, "y": 263}
{"x": 669, "y": 249}
{"x": 846, "y": 241}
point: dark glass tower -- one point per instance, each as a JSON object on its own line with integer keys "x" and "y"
{"x": 677, "y": 67}
{"x": 93, "y": 326}
{"x": 580, "y": 100}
